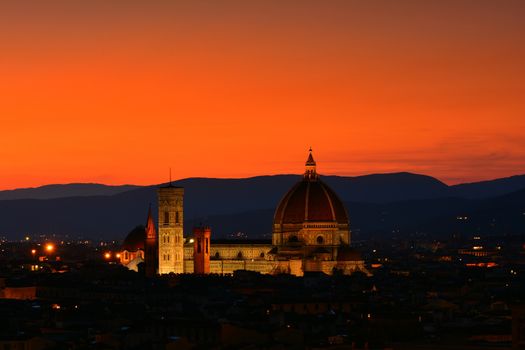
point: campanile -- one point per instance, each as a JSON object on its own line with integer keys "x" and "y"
{"x": 171, "y": 218}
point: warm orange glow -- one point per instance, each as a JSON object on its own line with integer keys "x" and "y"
{"x": 433, "y": 87}
{"x": 117, "y": 255}
{"x": 107, "y": 255}
{"x": 482, "y": 264}
{"x": 33, "y": 251}
{"x": 50, "y": 248}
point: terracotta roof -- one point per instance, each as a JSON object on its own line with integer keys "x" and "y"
{"x": 310, "y": 201}
{"x": 135, "y": 239}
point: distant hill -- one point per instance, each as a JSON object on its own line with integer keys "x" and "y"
{"x": 367, "y": 188}
{"x": 66, "y": 190}
{"x": 376, "y": 203}
{"x": 485, "y": 189}
{"x": 379, "y": 188}
{"x": 499, "y": 215}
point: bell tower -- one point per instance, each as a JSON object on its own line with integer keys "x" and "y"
{"x": 171, "y": 241}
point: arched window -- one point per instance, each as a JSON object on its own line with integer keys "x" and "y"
{"x": 217, "y": 255}
{"x": 239, "y": 255}
{"x": 293, "y": 239}
{"x": 166, "y": 218}
{"x": 320, "y": 240}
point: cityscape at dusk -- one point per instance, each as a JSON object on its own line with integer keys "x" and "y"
{"x": 262, "y": 175}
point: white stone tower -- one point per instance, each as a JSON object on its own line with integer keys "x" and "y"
{"x": 171, "y": 218}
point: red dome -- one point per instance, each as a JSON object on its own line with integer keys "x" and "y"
{"x": 135, "y": 239}
{"x": 310, "y": 200}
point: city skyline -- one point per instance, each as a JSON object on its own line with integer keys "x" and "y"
{"x": 101, "y": 92}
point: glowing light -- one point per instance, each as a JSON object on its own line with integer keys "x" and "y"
{"x": 55, "y": 307}
{"x": 50, "y": 247}
{"x": 482, "y": 264}
{"x": 27, "y": 238}
{"x": 192, "y": 240}
{"x": 33, "y": 251}
{"x": 107, "y": 255}
{"x": 117, "y": 255}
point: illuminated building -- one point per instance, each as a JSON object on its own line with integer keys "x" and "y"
{"x": 201, "y": 250}
{"x": 132, "y": 253}
{"x": 170, "y": 224}
{"x": 310, "y": 233}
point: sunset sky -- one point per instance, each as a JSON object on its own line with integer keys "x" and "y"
{"x": 115, "y": 91}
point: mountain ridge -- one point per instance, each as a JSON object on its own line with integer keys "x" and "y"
{"x": 222, "y": 202}
{"x": 74, "y": 189}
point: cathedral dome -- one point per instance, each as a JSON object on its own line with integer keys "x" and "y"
{"x": 135, "y": 239}
{"x": 310, "y": 200}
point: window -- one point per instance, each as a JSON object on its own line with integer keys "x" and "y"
{"x": 320, "y": 240}
{"x": 198, "y": 245}
{"x": 166, "y": 218}
{"x": 176, "y": 217}
{"x": 206, "y": 245}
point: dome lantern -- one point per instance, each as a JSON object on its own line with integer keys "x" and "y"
{"x": 310, "y": 172}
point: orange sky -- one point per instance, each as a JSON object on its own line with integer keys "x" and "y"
{"x": 117, "y": 91}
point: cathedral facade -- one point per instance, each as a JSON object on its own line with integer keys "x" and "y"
{"x": 310, "y": 233}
